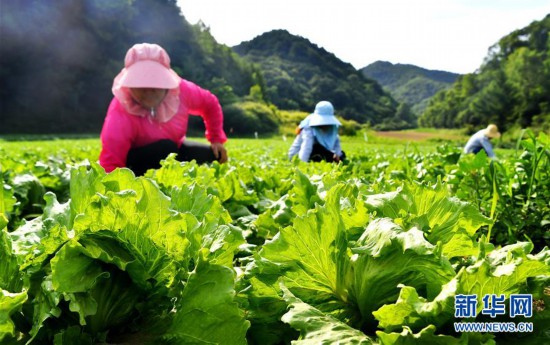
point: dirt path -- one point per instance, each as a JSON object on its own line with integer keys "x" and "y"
{"x": 414, "y": 136}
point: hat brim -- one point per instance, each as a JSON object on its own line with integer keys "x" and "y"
{"x": 491, "y": 134}
{"x": 149, "y": 74}
{"x": 319, "y": 120}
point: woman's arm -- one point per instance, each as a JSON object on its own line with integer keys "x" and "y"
{"x": 307, "y": 144}
{"x": 488, "y": 147}
{"x": 338, "y": 147}
{"x": 116, "y": 138}
{"x": 295, "y": 147}
{"x": 205, "y": 104}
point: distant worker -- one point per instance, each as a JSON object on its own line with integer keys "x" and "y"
{"x": 148, "y": 116}
{"x": 481, "y": 141}
{"x": 317, "y": 139}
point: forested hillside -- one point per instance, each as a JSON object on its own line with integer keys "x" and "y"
{"x": 511, "y": 88}
{"x": 58, "y": 59}
{"x": 408, "y": 83}
{"x": 298, "y": 74}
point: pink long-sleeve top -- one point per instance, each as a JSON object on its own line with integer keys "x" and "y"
{"x": 123, "y": 131}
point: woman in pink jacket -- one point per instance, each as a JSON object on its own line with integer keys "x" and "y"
{"x": 147, "y": 118}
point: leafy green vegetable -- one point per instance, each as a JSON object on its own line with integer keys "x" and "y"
{"x": 206, "y": 312}
{"x": 9, "y": 303}
{"x": 318, "y": 328}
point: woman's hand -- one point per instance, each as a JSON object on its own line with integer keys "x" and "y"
{"x": 219, "y": 152}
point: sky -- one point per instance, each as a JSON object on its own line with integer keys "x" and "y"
{"x": 447, "y": 35}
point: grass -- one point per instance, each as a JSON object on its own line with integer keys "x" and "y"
{"x": 362, "y": 143}
{"x": 46, "y": 137}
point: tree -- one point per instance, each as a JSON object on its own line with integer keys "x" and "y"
{"x": 512, "y": 87}
{"x": 528, "y": 81}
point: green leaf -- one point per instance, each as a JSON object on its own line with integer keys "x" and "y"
{"x": 303, "y": 195}
{"x": 173, "y": 173}
{"x": 72, "y": 271}
{"x": 312, "y": 256}
{"x": 45, "y": 301}
{"x": 104, "y": 296}
{"x": 143, "y": 220}
{"x": 221, "y": 244}
{"x": 10, "y": 277}
{"x": 473, "y": 163}
{"x": 426, "y": 336}
{"x": 387, "y": 256}
{"x": 198, "y": 202}
{"x": 7, "y": 204}
{"x": 278, "y": 215}
{"x": 353, "y": 210}
{"x": 84, "y": 186}
{"x": 41, "y": 237}
{"x": 318, "y": 328}
{"x": 54, "y": 212}
{"x": 29, "y": 191}
{"x": 207, "y": 313}
{"x": 264, "y": 309}
{"x": 504, "y": 271}
{"x": 73, "y": 335}
{"x": 444, "y": 218}
{"x": 416, "y": 312}
{"x": 9, "y": 303}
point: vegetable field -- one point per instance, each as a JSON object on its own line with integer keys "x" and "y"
{"x": 262, "y": 250}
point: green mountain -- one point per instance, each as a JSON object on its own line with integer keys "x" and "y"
{"x": 298, "y": 74}
{"x": 57, "y": 69}
{"x": 408, "y": 83}
{"x": 511, "y": 88}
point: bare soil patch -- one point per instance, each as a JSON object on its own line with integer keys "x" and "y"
{"x": 415, "y": 136}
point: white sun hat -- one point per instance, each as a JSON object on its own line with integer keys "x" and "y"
{"x": 323, "y": 115}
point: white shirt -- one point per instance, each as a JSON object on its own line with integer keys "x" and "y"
{"x": 478, "y": 142}
{"x": 303, "y": 145}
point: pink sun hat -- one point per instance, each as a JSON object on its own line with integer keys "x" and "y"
{"x": 147, "y": 66}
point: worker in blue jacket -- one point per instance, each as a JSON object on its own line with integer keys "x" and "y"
{"x": 481, "y": 141}
{"x": 318, "y": 138}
